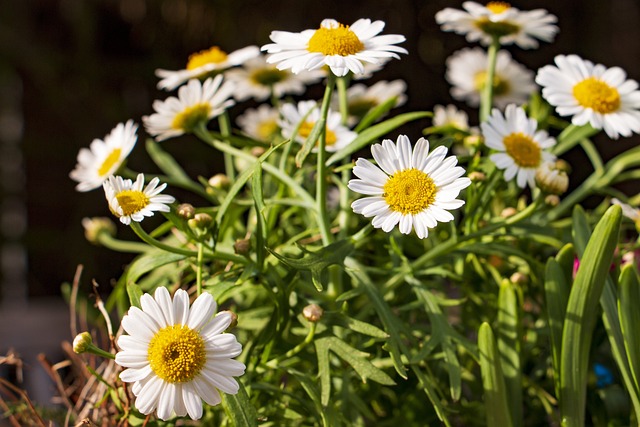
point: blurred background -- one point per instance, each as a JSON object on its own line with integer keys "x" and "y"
{"x": 70, "y": 70}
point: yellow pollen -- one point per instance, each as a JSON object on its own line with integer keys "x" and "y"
{"x": 204, "y": 57}
{"x": 268, "y": 76}
{"x": 523, "y": 150}
{"x": 132, "y": 201}
{"x": 597, "y": 95}
{"x": 500, "y": 85}
{"x": 498, "y": 6}
{"x": 188, "y": 119}
{"x": 305, "y": 130}
{"x": 409, "y": 191}
{"x": 176, "y": 353}
{"x": 109, "y": 162}
{"x": 335, "y": 41}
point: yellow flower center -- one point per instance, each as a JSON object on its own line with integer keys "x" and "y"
{"x": 204, "y": 57}
{"x": 109, "y": 162}
{"x": 267, "y": 128}
{"x": 132, "y": 201}
{"x": 523, "y": 150}
{"x": 335, "y": 41}
{"x": 188, "y": 119}
{"x": 597, "y": 95}
{"x": 498, "y": 6}
{"x": 305, "y": 130}
{"x": 500, "y": 85}
{"x": 409, "y": 191}
{"x": 268, "y": 76}
{"x": 176, "y": 353}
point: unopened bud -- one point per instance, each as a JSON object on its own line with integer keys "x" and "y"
{"x": 186, "y": 210}
{"x": 257, "y": 151}
{"x": 471, "y": 141}
{"x": 201, "y": 221}
{"x": 313, "y": 313}
{"x": 551, "y": 180}
{"x": 234, "y": 318}
{"x": 242, "y": 246}
{"x": 518, "y": 278}
{"x": 563, "y": 166}
{"x": 93, "y": 227}
{"x": 220, "y": 181}
{"x": 507, "y": 212}
{"x": 82, "y": 342}
{"x": 476, "y": 176}
{"x": 552, "y": 200}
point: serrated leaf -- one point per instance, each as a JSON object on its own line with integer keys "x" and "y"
{"x": 239, "y": 409}
{"x": 495, "y": 390}
{"x": 354, "y": 325}
{"x": 316, "y": 262}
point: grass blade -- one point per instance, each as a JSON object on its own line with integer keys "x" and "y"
{"x": 495, "y": 390}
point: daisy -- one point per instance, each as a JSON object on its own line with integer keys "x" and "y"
{"x": 261, "y": 123}
{"x": 176, "y": 355}
{"x": 594, "y": 94}
{"x": 499, "y": 19}
{"x": 467, "y": 73}
{"x": 409, "y": 187}
{"x": 521, "y": 148}
{"x": 258, "y": 79}
{"x": 450, "y": 116}
{"x": 129, "y": 201}
{"x": 204, "y": 62}
{"x": 103, "y": 158}
{"x": 342, "y": 48}
{"x": 305, "y": 115}
{"x": 362, "y": 99}
{"x": 196, "y": 103}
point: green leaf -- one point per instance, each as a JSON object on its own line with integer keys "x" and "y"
{"x": 311, "y": 141}
{"x": 375, "y": 113}
{"x": 166, "y": 162}
{"x": 135, "y": 292}
{"x": 571, "y": 135}
{"x": 316, "y": 262}
{"x": 630, "y": 318}
{"x": 580, "y": 318}
{"x": 261, "y": 229}
{"x": 557, "y": 295}
{"x": 374, "y": 132}
{"x": 509, "y": 344}
{"x": 495, "y": 390}
{"x": 149, "y": 262}
{"x": 239, "y": 409}
{"x": 355, "y": 358}
{"x": 365, "y": 328}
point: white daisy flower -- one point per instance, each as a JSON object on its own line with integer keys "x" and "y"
{"x": 467, "y": 73}
{"x": 361, "y": 98}
{"x": 260, "y": 123}
{"x": 196, "y": 103}
{"x": 342, "y": 48}
{"x": 257, "y": 79}
{"x": 305, "y": 115}
{"x": 130, "y": 201}
{"x": 104, "y": 158}
{"x": 497, "y": 18}
{"x": 204, "y": 62}
{"x": 521, "y": 147}
{"x": 409, "y": 187}
{"x": 176, "y": 355}
{"x": 450, "y": 116}
{"x": 594, "y": 94}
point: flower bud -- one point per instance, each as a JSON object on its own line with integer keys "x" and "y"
{"x": 313, "y": 313}
{"x": 563, "y": 166}
{"x": 220, "y": 181}
{"x": 186, "y": 210}
{"x": 551, "y": 180}
{"x": 552, "y": 200}
{"x": 201, "y": 221}
{"x": 507, "y": 212}
{"x": 471, "y": 141}
{"x": 82, "y": 342}
{"x": 476, "y": 176}
{"x": 257, "y": 151}
{"x": 242, "y": 246}
{"x": 518, "y": 278}
{"x": 93, "y": 227}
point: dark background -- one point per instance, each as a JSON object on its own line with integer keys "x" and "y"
{"x": 70, "y": 70}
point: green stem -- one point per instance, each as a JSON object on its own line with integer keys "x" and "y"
{"x": 321, "y": 172}
{"x": 99, "y": 352}
{"x": 342, "y": 84}
{"x": 486, "y": 100}
{"x": 109, "y": 242}
{"x": 297, "y": 349}
{"x": 218, "y": 255}
{"x": 225, "y": 130}
{"x": 199, "y": 260}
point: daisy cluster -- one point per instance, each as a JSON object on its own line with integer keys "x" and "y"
{"x": 293, "y": 179}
